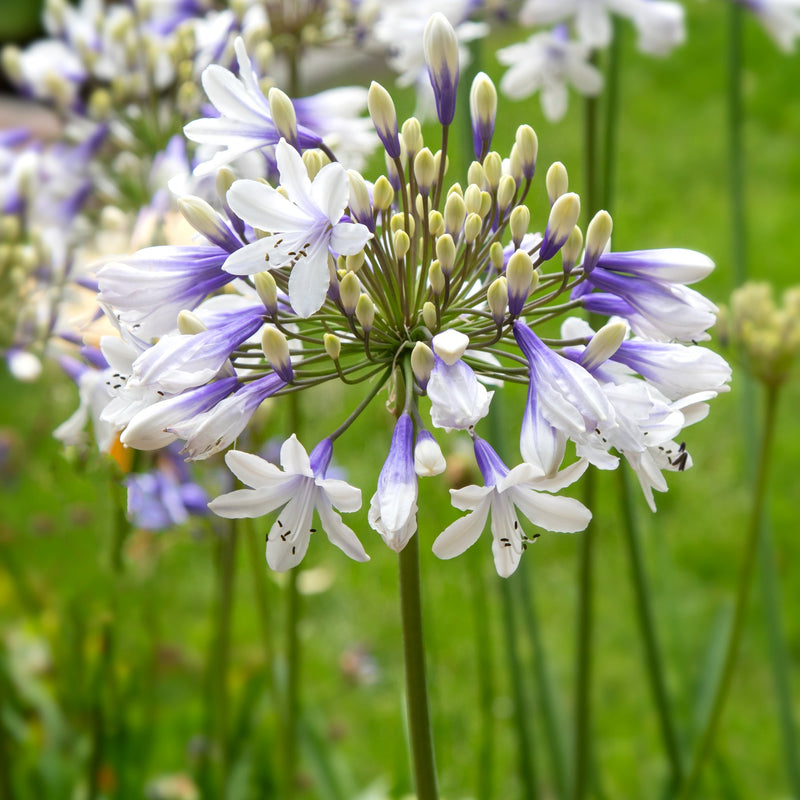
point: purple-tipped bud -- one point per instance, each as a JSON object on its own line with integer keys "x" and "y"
{"x": 384, "y": 118}
{"x": 440, "y": 43}
{"x": 563, "y": 216}
{"x": 483, "y": 110}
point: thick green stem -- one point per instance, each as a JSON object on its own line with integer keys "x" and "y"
{"x": 292, "y": 688}
{"x": 705, "y": 740}
{"x": 652, "y": 651}
{"x": 419, "y": 723}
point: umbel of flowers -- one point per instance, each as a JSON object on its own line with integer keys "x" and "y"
{"x": 426, "y": 287}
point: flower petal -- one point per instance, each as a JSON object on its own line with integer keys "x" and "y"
{"x": 339, "y": 534}
{"x": 463, "y": 533}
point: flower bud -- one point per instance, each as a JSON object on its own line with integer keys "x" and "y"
{"x": 365, "y": 312}
{"x": 454, "y": 212}
{"x": 571, "y": 249}
{"x": 422, "y": 361}
{"x": 486, "y": 204}
{"x": 604, "y": 344}
{"x": 333, "y": 345}
{"x": 483, "y": 111}
{"x": 428, "y": 458}
{"x": 384, "y": 118}
{"x": 392, "y": 173}
{"x": 556, "y": 181}
{"x": 493, "y": 170}
{"x": 515, "y": 165}
{"x": 202, "y": 217}
{"x": 476, "y": 175}
{"x": 456, "y": 187}
{"x": 563, "y": 216}
{"x": 518, "y": 223}
{"x": 472, "y": 199}
{"x": 497, "y": 256}
{"x": 472, "y": 227}
{"x": 354, "y": 262}
{"x": 398, "y": 222}
{"x": 429, "y": 316}
{"x": 276, "y": 349}
{"x": 225, "y": 179}
{"x": 598, "y": 235}
{"x": 382, "y": 194}
{"x": 528, "y": 148}
{"x": 314, "y": 160}
{"x": 506, "y": 190}
{"x": 189, "y": 324}
{"x": 401, "y": 244}
{"x": 349, "y": 292}
{"x": 436, "y": 223}
{"x": 436, "y": 278}
{"x": 360, "y": 205}
{"x": 446, "y": 253}
{"x": 450, "y": 345}
{"x": 519, "y": 273}
{"x": 497, "y": 299}
{"x": 424, "y": 171}
{"x": 412, "y": 136}
{"x": 440, "y": 45}
{"x": 267, "y": 291}
{"x": 283, "y": 115}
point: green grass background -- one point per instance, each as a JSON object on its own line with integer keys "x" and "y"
{"x": 56, "y": 510}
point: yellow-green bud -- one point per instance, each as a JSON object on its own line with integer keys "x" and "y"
{"x": 446, "y": 253}
{"x": 267, "y": 291}
{"x": 349, "y": 292}
{"x": 506, "y": 190}
{"x": 475, "y": 174}
{"x": 528, "y": 149}
{"x": 384, "y": 118}
{"x": 429, "y": 315}
{"x": 354, "y": 262}
{"x": 401, "y": 244}
{"x": 412, "y": 136}
{"x": 472, "y": 227}
{"x": 276, "y": 350}
{"x": 556, "y": 181}
{"x": 604, "y": 344}
{"x": 422, "y": 359}
{"x": 398, "y": 222}
{"x": 435, "y": 223}
{"x": 382, "y": 193}
{"x": 497, "y": 255}
{"x": 100, "y": 105}
{"x": 283, "y": 114}
{"x": 563, "y": 216}
{"x": 333, "y": 345}
{"x": 189, "y": 323}
{"x": 483, "y": 108}
{"x": 440, "y": 47}
{"x": 472, "y": 199}
{"x": 598, "y": 235}
{"x": 571, "y": 251}
{"x": 202, "y": 217}
{"x": 493, "y": 169}
{"x": 497, "y": 299}
{"x": 515, "y": 165}
{"x": 359, "y": 198}
{"x": 225, "y": 179}
{"x": 454, "y": 212}
{"x": 456, "y": 187}
{"x": 519, "y": 222}
{"x": 365, "y": 312}
{"x": 314, "y": 160}
{"x": 519, "y": 273}
{"x": 486, "y": 204}
{"x": 436, "y": 278}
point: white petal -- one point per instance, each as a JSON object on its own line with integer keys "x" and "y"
{"x": 469, "y": 497}
{"x": 341, "y": 494}
{"x": 294, "y": 457}
{"x": 566, "y": 477}
{"x": 563, "y": 514}
{"x": 339, "y": 534}
{"x": 252, "y": 502}
{"x": 264, "y": 207}
{"x": 461, "y": 534}
{"x": 349, "y": 238}
{"x": 308, "y": 283}
{"x": 294, "y": 175}
{"x": 330, "y": 191}
{"x": 253, "y": 470}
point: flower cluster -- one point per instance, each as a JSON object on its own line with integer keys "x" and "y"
{"x": 431, "y": 289}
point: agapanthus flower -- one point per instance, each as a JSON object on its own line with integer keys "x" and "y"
{"x": 428, "y": 291}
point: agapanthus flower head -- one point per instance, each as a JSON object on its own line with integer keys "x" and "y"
{"x": 434, "y": 292}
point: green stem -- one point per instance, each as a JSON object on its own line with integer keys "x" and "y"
{"x": 525, "y": 751}
{"x": 652, "y": 651}
{"x": 419, "y": 722}
{"x": 735, "y": 148}
{"x": 292, "y": 703}
{"x": 706, "y": 737}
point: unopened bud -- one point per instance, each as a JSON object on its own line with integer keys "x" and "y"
{"x": 202, "y": 217}
{"x": 475, "y": 174}
{"x": 472, "y": 199}
{"x": 333, "y": 345}
{"x": 189, "y": 324}
{"x": 314, "y": 160}
{"x": 528, "y": 149}
{"x": 598, "y": 235}
{"x": 384, "y": 118}
{"x": 424, "y": 171}
{"x": 506, "y": 190}
{"x": 359, "y": 203}
{"x": 267, "y": 291}
{"x": 519, "y": 273}
{"x": 349, "y": 292}
{"x": 563, "y": 216}
{"x": 556, "y": 181}
{"x": 354, "y": 262}
{"x": 454, "y": 212}
{"x": 365, "y": 312}
{"x": 456, "y": 187}
{"x": 604, "y": 344}
{"x": 515, "y": 165}
{"x": 283, "y": 115}
{"x": 497, "y": 299}
{"x": 398, "y": 222}
{"x": 429, "y": 316}
{"x": 518, "y": 223}
{"x": 493, "y": 170}
{"x": 412, "y": 136}
{"x": 422, "y": 361}
{"x": 440, "y": 46}
{"x": 382, "y": 193}
{"x": 497, "y": 256}
{"x": 401, "y": 244}
{"x": 472, "y": 227}
{"x": 436, "y": 278}
{"x": 276, "y": 350}
{"x": 435, "y": 223}
{"x": 428, "y": 458}
{"x": 486, "y": 204}
{"x": 446, "y": 253}
{"x": 483, "y": 111}
{"x": 571, "y": 249}
{"x": 226, "y": 177}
